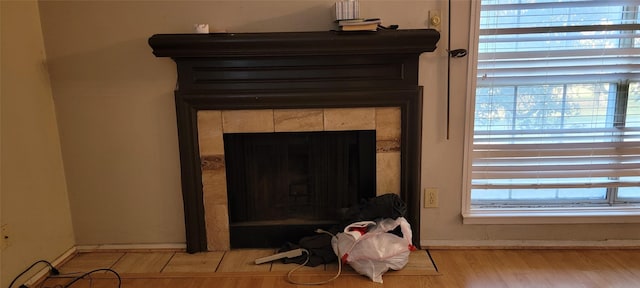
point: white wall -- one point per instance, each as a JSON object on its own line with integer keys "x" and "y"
{"x": 34, "y": 200}
{"x": 115, "y": 110}
{"x": 115, "y": 107}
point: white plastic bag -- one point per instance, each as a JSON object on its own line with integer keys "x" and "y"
{"x": 375, "y": 252}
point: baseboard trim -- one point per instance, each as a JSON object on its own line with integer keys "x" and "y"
{"x": 44, "y": 272}
{"x": 529, "y": 244}
{"x": 132, "y": 247}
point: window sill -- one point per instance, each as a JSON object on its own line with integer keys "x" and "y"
{"x": 564, "y": 215}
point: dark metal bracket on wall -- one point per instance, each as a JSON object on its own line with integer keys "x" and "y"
{"x": 295, "y": 70}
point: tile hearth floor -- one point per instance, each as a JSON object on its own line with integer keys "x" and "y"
{"x": 232, "y": 262}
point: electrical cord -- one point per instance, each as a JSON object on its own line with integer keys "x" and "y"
{"x": 53, "y": 270}
{"x": 93, "y": 271}
{"x": 305, "y": 262}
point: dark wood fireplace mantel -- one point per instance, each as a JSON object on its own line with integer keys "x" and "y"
{"x": 330, "y": 69}
{"x": 294, "y": 43}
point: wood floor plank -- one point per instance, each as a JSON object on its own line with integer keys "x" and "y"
{"x": 518, "y": 271}
{"x": 82, "y": 283}
{"x": 196, "y": 262}
{"x": 85, "y": 262}
{"x": 139, "y": 262}
{"x": 536, "y": 268}
{"x": 278, "y": 266}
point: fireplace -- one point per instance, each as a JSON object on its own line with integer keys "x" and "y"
{"x": 363, "y": 171}
{"x": 292, "y": 82}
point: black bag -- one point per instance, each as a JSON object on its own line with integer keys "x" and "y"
{"x": 384, "y": 206}
{"x": 319, "y": 246}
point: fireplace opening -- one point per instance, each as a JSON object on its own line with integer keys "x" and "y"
{"x": 283, "y": 186}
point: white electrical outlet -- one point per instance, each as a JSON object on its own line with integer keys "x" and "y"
{"x": 430, "y": 197}
{"x": 4, "y": 236}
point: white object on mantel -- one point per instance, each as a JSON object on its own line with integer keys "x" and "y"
{"x": 201, "y": 28}
{"x": 347, "y": 10}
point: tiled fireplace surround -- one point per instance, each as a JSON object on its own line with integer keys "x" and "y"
{"x": 293, "y": 81}
{"x": 212, "y": 124}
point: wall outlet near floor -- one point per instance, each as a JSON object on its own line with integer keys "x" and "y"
{"x": 4, "y": 236}
{"x": 430, "y": 197}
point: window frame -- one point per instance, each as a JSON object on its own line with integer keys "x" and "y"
{"x": 511, "y": 214}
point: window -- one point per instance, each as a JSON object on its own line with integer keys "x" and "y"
{"x": 557, "y": 105}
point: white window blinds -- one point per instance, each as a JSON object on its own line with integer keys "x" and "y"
{"x": 557, "y": 108}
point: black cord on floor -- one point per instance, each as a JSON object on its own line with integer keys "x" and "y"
{"x": 53, "y": 270}
{"x": 93, "y": 271}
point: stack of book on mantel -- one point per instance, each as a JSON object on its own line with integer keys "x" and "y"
{"x": 359, "y": 24}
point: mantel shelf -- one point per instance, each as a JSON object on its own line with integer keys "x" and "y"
{"x": 294, "y": 43}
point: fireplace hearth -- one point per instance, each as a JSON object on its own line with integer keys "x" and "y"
{"x": 310, "y": 74}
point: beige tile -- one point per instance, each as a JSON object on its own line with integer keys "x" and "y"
{"x": 419, "y": 260}
{"x": 242, "y": 260}
{"x": 294, "y": 120}
{"x": 214, "y": 180}
{"x": 419, "y": 264}
{"x": 247, "y": 121}
{"x": 388, "y": 123}
{"x": 212, "y": 162}
{"x": 210, "y": 132}
{"x": 341, "y": 119}
{"x": 214, "y": 176}
{"x": 197, "y": 262}
{"x": 214, "y": 187}
{"x": 148, "y": 262}
{"x": 217, "y": 226}
{"x": 383, "y": 146}
{"x": 84, "y": 262}
{"x": 214, "y": 195}
{"x": 388, "y": 173}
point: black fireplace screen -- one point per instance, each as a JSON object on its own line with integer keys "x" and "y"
{"x": 295, "y": 179}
